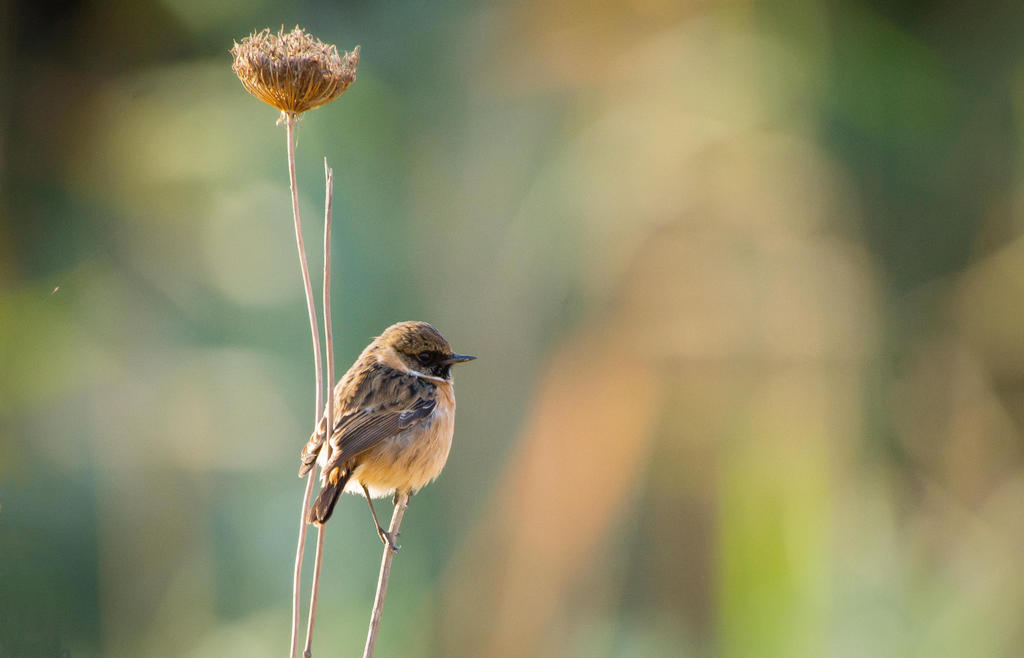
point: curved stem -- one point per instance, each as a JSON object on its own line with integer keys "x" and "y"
{"x": 297, "y": 576}
{"x": 329, "y": 341}
{"x": 289, "y": 122}
{"x": 315, "y": 595}
{"x": 314, "y": 327}
{"x": 401, "y": 503}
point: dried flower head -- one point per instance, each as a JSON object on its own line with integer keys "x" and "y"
{"x": 293, "y": 71}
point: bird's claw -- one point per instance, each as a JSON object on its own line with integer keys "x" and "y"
{"x": 388, "y": 540}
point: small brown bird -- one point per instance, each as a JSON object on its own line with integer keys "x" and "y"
{"x": 394, "y": 416}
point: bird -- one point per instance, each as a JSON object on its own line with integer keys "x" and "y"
{"x": 393, "y": 422}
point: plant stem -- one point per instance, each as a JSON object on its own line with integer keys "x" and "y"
{"x": 315, "y": 595}
{"x": 297, "y": 576}
{"x": 329, "y": 340}
{"x": 289, "y": 122}
{"x": 401, "y": 503}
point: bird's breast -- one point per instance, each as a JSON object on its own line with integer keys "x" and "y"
{"x": 412, "y": 458}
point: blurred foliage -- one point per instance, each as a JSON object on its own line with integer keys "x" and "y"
{"x": 742, "y": 277}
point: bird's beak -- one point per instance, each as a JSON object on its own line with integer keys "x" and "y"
{"x": 457, "y": 358}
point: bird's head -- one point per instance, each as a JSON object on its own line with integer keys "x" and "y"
{"x": 420, "y": 348}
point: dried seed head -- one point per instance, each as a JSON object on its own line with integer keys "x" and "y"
{"x": 293, "y": 71}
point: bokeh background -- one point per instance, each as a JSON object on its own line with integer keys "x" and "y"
{"x": 744, "y": 278}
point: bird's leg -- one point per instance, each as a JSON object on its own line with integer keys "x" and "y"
{"x": 381, "y": 532}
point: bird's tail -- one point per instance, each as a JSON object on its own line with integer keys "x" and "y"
{"x": 324, "y": 504}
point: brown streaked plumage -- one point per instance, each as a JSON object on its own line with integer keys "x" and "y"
{"x": 394, "y": 416}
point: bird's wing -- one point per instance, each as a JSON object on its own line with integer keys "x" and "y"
{"x": 359, "y": 387}
{"x": 364, "y": 429}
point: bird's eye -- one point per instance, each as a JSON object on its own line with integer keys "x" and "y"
{"x": 424, "y": 357}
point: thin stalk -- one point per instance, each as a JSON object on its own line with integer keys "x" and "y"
{"x": 289, "y": 122}
{"x": 401, "y": 503}
{"x": 329, "y": 340}
{"x": 315, "y": 595}
{"x": 297, "y": 577}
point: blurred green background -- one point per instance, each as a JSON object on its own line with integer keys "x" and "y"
{"x": 744, "y": 279}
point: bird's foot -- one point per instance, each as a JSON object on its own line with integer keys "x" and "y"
{"x": 388, "y": 540}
